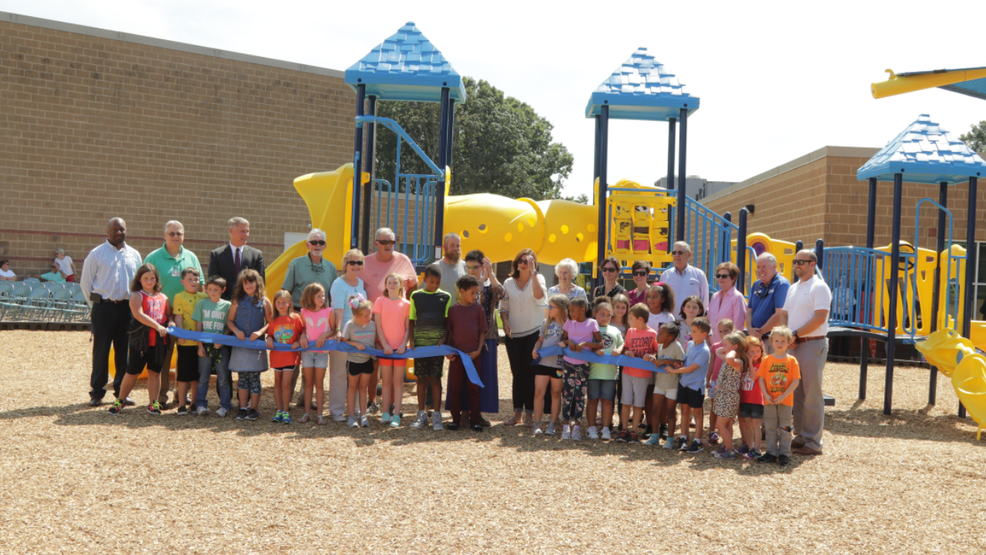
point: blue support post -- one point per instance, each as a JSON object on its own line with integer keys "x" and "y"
{"x": 682, "y": 155}
{"x": 451, "y": 133}
{"x": 820, "y": 252}
{"x": 679, "y": 210}
{"x": 727, "y": 236}
{"x": 741, "y": 255}
{"x": 888, "y": 392}
{"x": 443, "y": 150}
{"x": 936, "y": 287}
{"x": 368, "y": 159}
{"x": 595, "y": 151}
{"x": 357, "y": 156}
{"x": 970, "y": 259}
{"x": 799, "y": 245}
{"x": 603, "y": 187}
{"x": 864, "y": 343}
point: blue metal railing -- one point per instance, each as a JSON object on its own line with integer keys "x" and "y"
{"x": 857, "y": 300}
{"x": 710, "y": 237}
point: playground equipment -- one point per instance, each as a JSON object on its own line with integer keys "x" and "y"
{"x": 957, "y": 358}
{"x": 969, "y": 81}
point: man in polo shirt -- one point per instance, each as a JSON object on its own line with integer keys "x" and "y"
{"x": 806, "y": 313}
{"x": 453, "y": 267}
{"x": 105, "y": 281}
{"x": 170, "y": 260}
{"x": 683, "y": 279}
{"x": 766, "y": 298}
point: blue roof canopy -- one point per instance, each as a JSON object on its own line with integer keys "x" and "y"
{"x": 406, "y": 66}
{"x": 641, "y": 89}
{"x": 924, "y": 153}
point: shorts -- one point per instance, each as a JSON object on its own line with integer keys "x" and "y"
{"x": 670, "y": 394}
{"x": 429, "y": 367}
{"x": 665, "y": 382}
{"x": 285, "y": 369}
{"x": 187, "y": 367}
{"x": 249, "y": 381}
{"x": 357, "y": 368}
{"x": 311, "y": 359}
{"x": 602, "y": 389}
{"x": 392, "y": 361}
{"x": 692, "y": 398}
{"x": 136, "y": 362}
{"x": 551, "y": 372}
{"x": 634, "y": 391}
{"x": 751, "y": 410}
{"x": 711, "y": 390}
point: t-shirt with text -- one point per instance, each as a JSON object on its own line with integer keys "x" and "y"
{"x": 364, "y": 335}
{"x": 285, "y": 330}
{"x": 185, "y": 303}
{"x": 777, "y": 374}
{"x": 612, "y": 339}
{"x": 640, "y": 343}
{"x": 212, "y": 315}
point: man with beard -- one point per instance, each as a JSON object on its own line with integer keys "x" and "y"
{"x": 452, "y": 266}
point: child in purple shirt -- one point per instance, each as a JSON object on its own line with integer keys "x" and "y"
{"x": 579, "y": 332}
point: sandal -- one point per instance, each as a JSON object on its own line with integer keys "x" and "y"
{"x": 306, "y": 418}
{"x": 512, "y": 422}
{"x": 320, "y": 420}
{"x": 528, "y": 421}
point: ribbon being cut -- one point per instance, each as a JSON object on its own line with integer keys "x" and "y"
{"x": 589, "y": 356}
{"x": 331, "y": 345}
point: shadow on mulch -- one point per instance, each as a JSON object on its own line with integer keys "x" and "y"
{"x": 900, "y": 424}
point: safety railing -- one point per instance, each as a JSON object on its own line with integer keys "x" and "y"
{"x": 710, "y": 237}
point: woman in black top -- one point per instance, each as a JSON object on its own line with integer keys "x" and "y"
{"x": 609, "y": 288}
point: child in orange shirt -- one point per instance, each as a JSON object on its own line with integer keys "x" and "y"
{"x": 779, "y": 377}
{"x": 286, "y": 328}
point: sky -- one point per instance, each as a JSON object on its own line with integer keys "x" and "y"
{"x": 776, "y": 80}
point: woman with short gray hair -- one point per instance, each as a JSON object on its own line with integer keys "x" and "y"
{"x": 566, "y": 271}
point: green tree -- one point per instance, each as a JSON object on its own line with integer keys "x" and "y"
{"x": 976, "y": 137}
{"x": 500, "y": 145}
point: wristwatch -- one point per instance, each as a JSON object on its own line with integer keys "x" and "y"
{"x": 795, "y": 334}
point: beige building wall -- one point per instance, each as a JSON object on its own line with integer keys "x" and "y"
{"x": 96, "y": 124}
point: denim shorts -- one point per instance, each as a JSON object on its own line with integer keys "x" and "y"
{"x": 602, "y": 389}
{"x": 311, "y": 359}
{"x": 751, "y": 410}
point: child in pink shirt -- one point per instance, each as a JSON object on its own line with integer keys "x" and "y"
{"x": 391, "y": 312}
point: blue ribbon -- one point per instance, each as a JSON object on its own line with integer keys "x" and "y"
{"x": 590, "y": 356}
{"x": 330, "y": 345}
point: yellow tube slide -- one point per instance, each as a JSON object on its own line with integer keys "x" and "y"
{"x": 910, "y": 83}
{"x": 956, "y": 356}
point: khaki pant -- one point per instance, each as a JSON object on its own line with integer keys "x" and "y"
{"x": 777, "y": 422}
{"x": 809, "y": 404}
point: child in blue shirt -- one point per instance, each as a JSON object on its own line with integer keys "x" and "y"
{"x": 691, "y": 383}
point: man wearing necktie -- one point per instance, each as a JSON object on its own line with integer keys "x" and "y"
{"x": 228, "y": 260}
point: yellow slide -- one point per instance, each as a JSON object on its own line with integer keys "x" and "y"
{"x": 956, "y": 357}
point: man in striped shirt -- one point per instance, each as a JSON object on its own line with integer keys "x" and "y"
{"x": 106, "y": 276}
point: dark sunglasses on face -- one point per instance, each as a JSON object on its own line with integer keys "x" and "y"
{"x": 609, "y": 269}
{"x": 641, "y": 273}
{"x": 677, "y": 253}
{"x": 800, "y": 262}
{"x": 317, "y": 243}
{"x": 386, "y": 242}
{"x": 355, "y": 262}
{"x": 723, "y": 276}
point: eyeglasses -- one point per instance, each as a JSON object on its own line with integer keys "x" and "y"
{"x": 355, "y": 262}
{"x": 175, "y": 233}
{"x": 800, "y": 262}
{"x": 609, "y": 269}
{"x": 641, "y": 273}
{"x": 317, "y": 243}
{"x": 678, "y": 253}
{"x": 386, "y": 242}
{"x": 471, "y": 268}
{"x": 522, "y": 261}
{"x": 723, "y": 276}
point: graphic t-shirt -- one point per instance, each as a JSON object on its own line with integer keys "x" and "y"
{"x": 640, "y": 343}
{"x": 672, "y": 352}
{"x": 429, "y": 311}
{"x": 550, "y": 336}
{"x": 750, "y": 386}
{"x": 580, "y": 332}
{"x": 365, "y": 335}
{"x": 212, "y": 315}
{"x": 185, "y": 303}
{"x": 777, "y": 374}
{"x": 317, "y": 322}
{"x": 612, "y": 339}
{"x": 393, "y": 318}
{"x": 286, "y": 330}
{"x": 156, "y": 308}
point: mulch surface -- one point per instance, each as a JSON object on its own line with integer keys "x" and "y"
{"x": 75, "y": 479}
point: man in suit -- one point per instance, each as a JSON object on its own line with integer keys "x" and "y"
{"x": 228, "y": 260}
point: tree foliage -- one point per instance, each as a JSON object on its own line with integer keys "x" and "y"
{"x": 500, "y": 145}
{"x": 976, "y": 137}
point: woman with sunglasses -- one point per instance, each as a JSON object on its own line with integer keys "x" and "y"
{"x": 727, "y": 302}
{"x": 348, "y": 286}
{"x": 522, "y": 310}
{"x": 609, "y": 288}
{"x": 640, "y": 271}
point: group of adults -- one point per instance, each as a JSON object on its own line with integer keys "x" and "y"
{"x": 62, "y": 269}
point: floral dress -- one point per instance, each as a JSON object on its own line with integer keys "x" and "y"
{"x": 726, "y": 402}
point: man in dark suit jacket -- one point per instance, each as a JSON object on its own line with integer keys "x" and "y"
{"x": 223, "y": 261}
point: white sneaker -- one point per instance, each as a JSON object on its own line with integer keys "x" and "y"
{"x": 436, "y": 421}
{"x": 551, "y": 429}
{"x": 606, "y": 435}
{"x": 592, "y": 433}
{"x": 385, "y": 418}
{"x": 576, "y": 433}
{"x": 338, "y": 417}
{"x": 537, "y": 430}
{"x": 201, "y": 411}
{"x": 420, "y": 421}
{"x": 566, "y": 432}
{"x": 352, "y": 422}
{"x": 364, "y": 421}
{"x": 222, "y": 412}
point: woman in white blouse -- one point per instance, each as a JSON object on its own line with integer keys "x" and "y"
{"x": 522, "y": 311}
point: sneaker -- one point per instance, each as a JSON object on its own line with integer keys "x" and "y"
{"x": 682, "y": 443}
{"x": 725, "y": 454}
{"x": 241, "y": 415}
{"x": 117, "y": 408}
{"x": 395, "y": 422}
{"x": 221, "y": 413}
{"x": 352, "y": 421}
{"x": 372, "y": 408}
{"x": 767, "y": 458}
{"x": 364, "y": 421}
{"x": 669, "y": 443}
{"x": 252, "y": 414}
{"x": 338, "y": 417}
{"x": 385, "y": 418}
{"x": 752, "y": 454}
{"x": 482, "y": 422}
{"x": 663, "y": 432}
{"x": 202, "y": 411}
{"x": 420, "y": 421}
{"x": 154, "y": 408}
{"x": 476, "y": 427}
{"x": 696, "y": 446}
{"x": 452, "y": 426}
{"x": 784, "y": 460}
{"x": 538, "y": 431}
{"x": 593, "y": 434}
{"x": 713, "y": 438}
{"x": 276, "y": 417}
{"x": 622, "y": 438}
{"x": 182, "y": 411}
{"x": 285, "y": 418}
{"x": 566, "y": 432}
{"x": 552, "y": 429}
{"x": 576, "y": 433}
{"x": 654, "y": 439}
{"x": 436, "y": 421}
{"x": 634, "y": 438}
{"x": 606, "y": 434}
{"x": 743, "y": 450}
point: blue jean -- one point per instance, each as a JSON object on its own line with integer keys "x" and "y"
{"x": 206, "y": 365}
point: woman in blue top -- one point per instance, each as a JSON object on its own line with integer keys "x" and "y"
{"x": 346, "y": 286}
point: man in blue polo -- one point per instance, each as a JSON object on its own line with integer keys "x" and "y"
{"x": 766, "y": 297}
{"x": 170, "y": 260}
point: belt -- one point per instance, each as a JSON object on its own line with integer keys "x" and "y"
{"x": 801, "y": 340}
{"x": 111, "y": 301}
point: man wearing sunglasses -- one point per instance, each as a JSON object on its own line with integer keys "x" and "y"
{"x": 385, "y": 261}
{"x": 685, "y": 280}
{"x": 806, "y": 313}
{"x": 767, "y": 297}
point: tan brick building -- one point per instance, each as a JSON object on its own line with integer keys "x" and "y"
{"x": 96, "y": 124}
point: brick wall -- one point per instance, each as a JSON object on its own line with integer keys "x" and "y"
{"x": 93, "y": 127}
